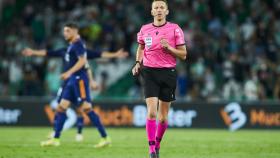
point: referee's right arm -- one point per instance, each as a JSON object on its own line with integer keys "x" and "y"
{"x": 139, "y": 57}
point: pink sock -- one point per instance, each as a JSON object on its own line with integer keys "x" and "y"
{"x": 160, "y": 132}
{"x": 151, "y": 133}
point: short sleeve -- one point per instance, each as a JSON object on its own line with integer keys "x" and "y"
{"x": 80, "y": 50}
{"x": 179, "y": 36}
{"x": 56, "y": 53}
{"x": 140, "y": 35}
{"x": 91, "y": 54}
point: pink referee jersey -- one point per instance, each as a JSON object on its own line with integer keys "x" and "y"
{"x": 155, "y": 55}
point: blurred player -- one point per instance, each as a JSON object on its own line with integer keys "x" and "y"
{"x": 76, "y": 86}
{"x": 160, "y": 43}
{"x": 93, "y": 84}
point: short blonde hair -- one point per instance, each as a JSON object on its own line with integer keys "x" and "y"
{"x": 165, "y": 1}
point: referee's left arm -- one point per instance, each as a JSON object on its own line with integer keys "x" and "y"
{"x": 179, "y": 51}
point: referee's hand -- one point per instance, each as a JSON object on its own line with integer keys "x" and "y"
{"x": 136, "y": 69}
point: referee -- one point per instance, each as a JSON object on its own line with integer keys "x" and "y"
{"x": 160, "y": 42}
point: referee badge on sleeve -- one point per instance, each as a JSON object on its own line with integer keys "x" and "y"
{"x": 148, "y": 41}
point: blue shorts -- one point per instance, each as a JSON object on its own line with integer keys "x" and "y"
{"x": 76, "y": 90}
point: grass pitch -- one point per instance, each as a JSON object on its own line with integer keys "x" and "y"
{"x": 18, "y": 142}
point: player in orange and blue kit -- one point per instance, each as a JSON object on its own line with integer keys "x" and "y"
{"x": 80, "y": 120}
{"x": 61, "y": 53}
{"x": 76, "y": 89}
{"x": 90, "y": 56}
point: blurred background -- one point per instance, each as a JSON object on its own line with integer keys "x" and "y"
{"x": 233, "y": 47}
{"x": 230, "y": 80}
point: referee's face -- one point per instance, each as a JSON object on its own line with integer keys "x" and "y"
{"x": 69, "y": 33}
{"x": 159, "y": 10}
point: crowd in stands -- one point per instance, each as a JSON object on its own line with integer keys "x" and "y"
{"x": 233, "y": 45}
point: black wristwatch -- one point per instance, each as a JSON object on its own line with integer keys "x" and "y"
{"x": 137, "y": 62}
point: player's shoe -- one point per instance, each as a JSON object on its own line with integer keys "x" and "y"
{"x": 157, "y": 152}
{"x": 79, "y": 137}
{"x": 51, "y": 142}
{"x": 153, "y": 155}
{"x": 104, "y": 142}
{"x": 50, "y": 135}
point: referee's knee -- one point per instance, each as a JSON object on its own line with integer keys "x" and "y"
{"x": 162, "y": 119}
{"x": 152, "y": 116}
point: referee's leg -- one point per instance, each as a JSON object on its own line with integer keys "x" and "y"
{"x": 151, "y": 125}
{"x": 163, "y": 122}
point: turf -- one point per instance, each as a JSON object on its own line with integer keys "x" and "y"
{"x": 131, "y": 143}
